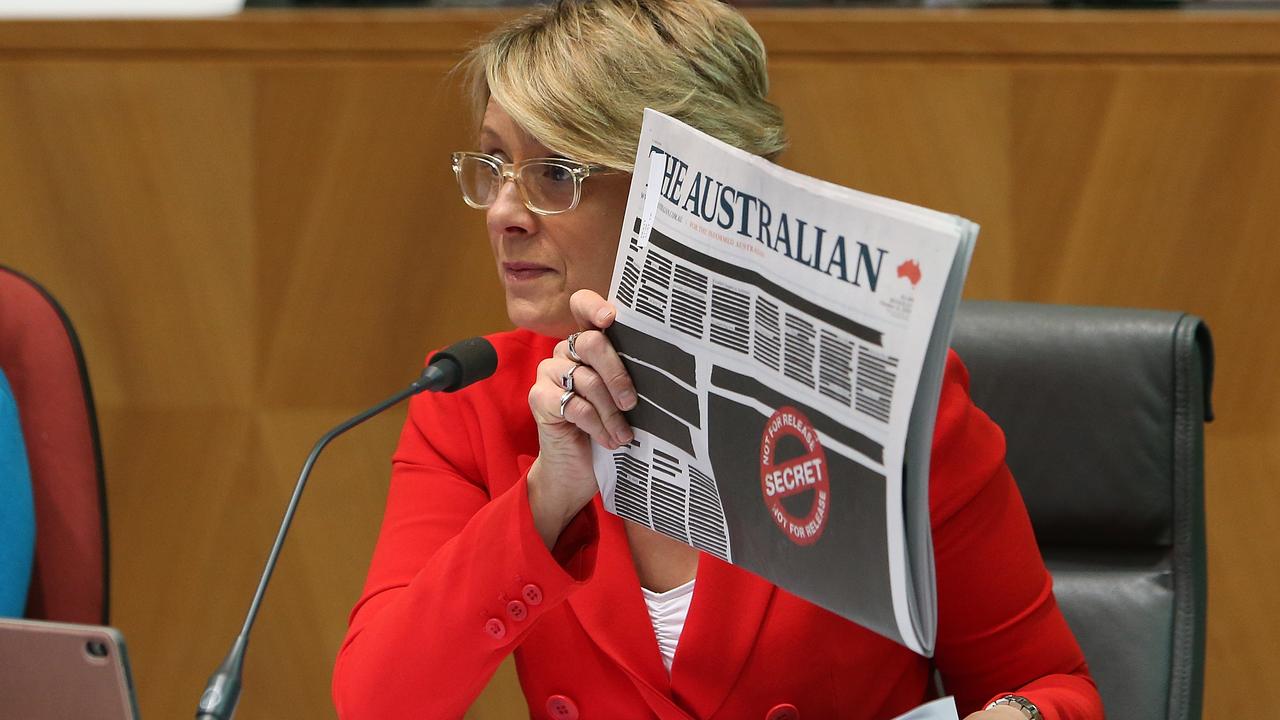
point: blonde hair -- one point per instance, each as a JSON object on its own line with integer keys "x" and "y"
{"x": 578, "y": 74}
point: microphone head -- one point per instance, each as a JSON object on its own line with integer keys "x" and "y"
{"x": 464, "y": 362}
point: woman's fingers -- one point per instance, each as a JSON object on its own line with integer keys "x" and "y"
{"x": 590, "y": 386}
{"x": 591, "y": 311}
{"x": 579, "y": 414}
{"x": 591, "y": 406}
{"x": 593, "y": 314}
{"x": 595, "y": 350}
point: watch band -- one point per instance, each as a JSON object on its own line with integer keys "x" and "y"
{"x": 1027, "y": 707}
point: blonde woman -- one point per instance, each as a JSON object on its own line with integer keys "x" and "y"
{"x": 495, "y": 541}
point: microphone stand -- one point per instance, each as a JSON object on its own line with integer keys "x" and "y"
{"x": 222, "y": 692}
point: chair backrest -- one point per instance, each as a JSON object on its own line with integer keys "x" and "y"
{"x": 41, "y": 356}
{"x": 1104, "y": 410}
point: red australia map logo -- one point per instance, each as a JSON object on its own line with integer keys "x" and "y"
{"x": 802, "y": 475}
{"x": 911, "y": 271}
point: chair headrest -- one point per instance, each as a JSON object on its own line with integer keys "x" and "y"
{"x": 1097, "y": 405}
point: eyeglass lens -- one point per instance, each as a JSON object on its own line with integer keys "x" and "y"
{"x": 546, "y": 186}
{"x": 479, "y": 180}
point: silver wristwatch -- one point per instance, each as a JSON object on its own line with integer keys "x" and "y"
{"x": 1027, "y": 707}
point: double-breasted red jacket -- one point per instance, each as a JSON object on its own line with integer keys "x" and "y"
{"x": 460, "y": 579}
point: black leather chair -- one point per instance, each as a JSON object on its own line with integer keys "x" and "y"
{"x": 1104, "y": 412}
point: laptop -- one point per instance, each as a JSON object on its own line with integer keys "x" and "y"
{"x": 54, "y": 671}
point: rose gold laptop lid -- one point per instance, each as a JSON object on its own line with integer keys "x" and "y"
{"x": 53, "y": 671}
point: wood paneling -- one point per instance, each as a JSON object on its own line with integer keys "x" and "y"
{"x": 253, "y": 224}
{"x": 1025, "y": 33}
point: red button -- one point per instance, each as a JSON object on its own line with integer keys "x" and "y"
{"x": 561, "y": 707}
{"x": 517, "y": 610}
{"x": 784, "y": 711}
{"x": 495, "y": 629}
{"x": 532, "y": 594}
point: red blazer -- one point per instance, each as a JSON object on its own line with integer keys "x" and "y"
{"x": 460, "y": 579}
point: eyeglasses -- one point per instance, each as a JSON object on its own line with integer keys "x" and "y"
{"x": 548, "y": 186}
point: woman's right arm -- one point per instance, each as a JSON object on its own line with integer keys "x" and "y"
{"x": 457, "y": 579}
{"x": 437, "y": 614}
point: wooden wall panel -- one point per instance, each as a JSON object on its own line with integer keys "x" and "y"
{"x": 253, "y": 224}
{"x": 125, "y": 171}
{"x": 365, "y": 245}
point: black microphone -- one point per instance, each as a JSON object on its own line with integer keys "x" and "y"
{"x": 453, "y": 368}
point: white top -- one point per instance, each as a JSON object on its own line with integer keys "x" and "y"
{"x": 668, "y": 611}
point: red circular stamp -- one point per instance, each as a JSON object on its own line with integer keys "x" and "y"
{"x": 806, "y": 472}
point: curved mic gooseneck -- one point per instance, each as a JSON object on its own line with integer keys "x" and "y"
{"x": 453, "y": 368}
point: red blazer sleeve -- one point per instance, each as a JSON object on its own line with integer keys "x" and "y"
{"x": 456, "y": 548}
{"x": 999, "y": 627}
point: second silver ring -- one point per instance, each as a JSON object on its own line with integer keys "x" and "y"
{"x": 566, "y": 379}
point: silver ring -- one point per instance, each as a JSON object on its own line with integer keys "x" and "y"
{"x": 566, "y": 380}
{"x": 564, "y": 400}
{"x": 573, "y": 352}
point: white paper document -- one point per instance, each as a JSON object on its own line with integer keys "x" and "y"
{"x": 940, "y": 709}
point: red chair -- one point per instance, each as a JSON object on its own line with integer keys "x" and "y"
{"x": 40, "y": 355}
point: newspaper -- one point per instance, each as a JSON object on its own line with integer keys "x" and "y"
{"x": 786, "y": 337}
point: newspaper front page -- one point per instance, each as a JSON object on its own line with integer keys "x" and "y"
{"x": 776, "y": 327}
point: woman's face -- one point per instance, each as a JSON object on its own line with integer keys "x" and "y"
{"x": 543, "y": 259}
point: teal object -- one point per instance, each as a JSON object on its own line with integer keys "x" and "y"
{"x": 17, "y": 509}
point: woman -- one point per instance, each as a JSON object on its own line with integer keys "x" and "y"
{"x": 494, "y": 539}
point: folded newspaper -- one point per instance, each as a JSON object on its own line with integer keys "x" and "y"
{"x": 787, "y": 337}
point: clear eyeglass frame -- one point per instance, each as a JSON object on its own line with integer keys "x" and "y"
{"x": 504, "y": 171}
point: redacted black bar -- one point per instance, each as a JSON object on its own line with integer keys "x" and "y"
{"x": 652, "y": 351}
{"x": 743, "y": 385}
{"x": 671, "y": 396}
{"x": 650, "y": 418}
{"x": 750, "y": 277}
